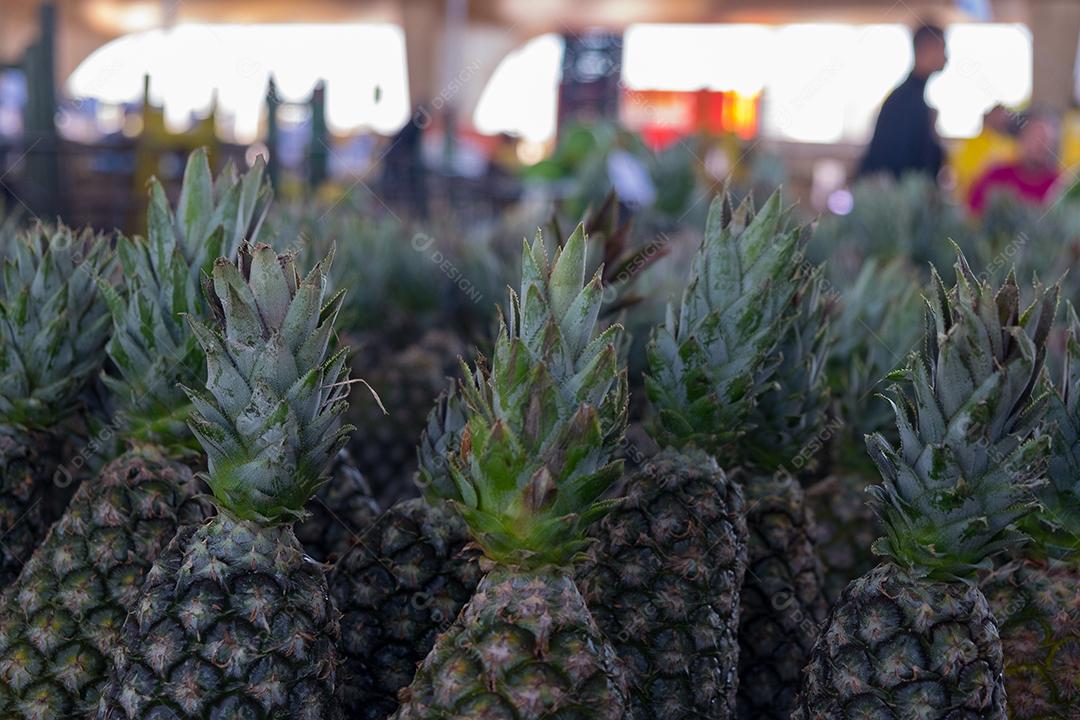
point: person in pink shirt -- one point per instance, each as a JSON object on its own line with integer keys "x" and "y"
{"x": 1032, "y": 176}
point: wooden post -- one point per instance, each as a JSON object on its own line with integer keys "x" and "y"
{"x": 39, "y": 120}
{"x": 319, "y": 146}
{"x": 273, "y": 164}
{"x": 1055, "y": 27}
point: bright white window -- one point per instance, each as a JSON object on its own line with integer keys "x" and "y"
{"x": 824, "y": 82}
{"x": 363, "y": 66}
{"x": 698, "y": 57}
{"x": 521, "y": 98}
{"x": 988, "y": 64}
{"x": 829, "y": 80}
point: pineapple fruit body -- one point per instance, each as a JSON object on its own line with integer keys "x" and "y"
{"x": 62, "y": 619}
{"x": 845, "y": 528}
{"x": 782, "y": 602}
{"x": 662, "y": 580}
{"x": 899, "y": 646}
{"x": 1037, "y": 607}
{"x": 524, "y": 647}
{"x": 915, "y": 637}
{"x": 54, "y": 324}
{"x": 22, "y": 523}
{"x": 402, "y": 583}
{"x": 234, "y": 621}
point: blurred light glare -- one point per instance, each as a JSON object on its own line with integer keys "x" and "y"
{"x": 521, "y": 98}
{"x": 840, "y": 202}
{"x": 254, "y": 152}
{"x": 698, "y": 57}
{"x": 828, "y": 176}
{"x": 125, "y": 16}
{"x": 110, "y": 118}
{"x": 530, "y": 152}
{"x": 189, "y": 63}
{"x": 988, "y": 64}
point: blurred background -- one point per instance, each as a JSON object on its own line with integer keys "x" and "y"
{"x": 465, "y": 107}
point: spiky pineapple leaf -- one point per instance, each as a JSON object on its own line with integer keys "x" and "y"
{"x": 270, "y": 417}
{"x": 788, "y": 419}
{"x": 709, "y": 362}
{"x": 1056, "y": 526}
{"x": 54, "y": 322}
{"x": 969, "y": 461}
{"x": 533, "y": 455}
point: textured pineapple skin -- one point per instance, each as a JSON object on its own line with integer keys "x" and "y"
{"x": 1037, "y": 606}
{"x": 846, "y": 527}
{"x": 525, "y": 647}
{"x": 898, "y": 647}
{"x": 782, "y": 603}
{"x": 63, "y": 617}
{"x": 340, "y": 512}
{"x": 662, "y": 580}
{"x": 22, "y": 522}
{"x": 402, "y": 583}
{"x": 233, "y": 622}
{"x": 408, "y": 382}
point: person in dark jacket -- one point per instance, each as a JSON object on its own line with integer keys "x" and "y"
{"x": 904, "y": 138}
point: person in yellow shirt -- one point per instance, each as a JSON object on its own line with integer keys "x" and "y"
{"x": 994, "y": 145}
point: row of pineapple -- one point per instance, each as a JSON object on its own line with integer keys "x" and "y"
{"x": 539, "y": 576}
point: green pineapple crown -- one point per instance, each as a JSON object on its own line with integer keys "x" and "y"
{"x": 1056, "y": 527}
{"x": 270, "y": 419}
{"x": 879, "y": 320}
{"x": 10, "y": 225}
{"x": 439, "y": 441}
{"x": 152, "y": 348}
{"x": 542, "y": 424}
{"x": 709, "y": 362}
{"x": 54, "y": 322}
{"x": 788, "y": 416}
{"x": 968, "y": 460}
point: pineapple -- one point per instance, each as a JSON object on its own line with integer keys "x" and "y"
{"x": 526, "y": 476}
{"x": 664, "y": 575}
{"x": 915, "y": 637}
{"x": 65, "y": 613}
{"x": 879, "y": 322}
{"x": 234, "y": 620}
{"x": 54, "y": 324}
{"x": 1036, "y": 596}
{"x": 783, "y": 601}
{"x": 404, "y": 580}
{"x": 61, "y": 620}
